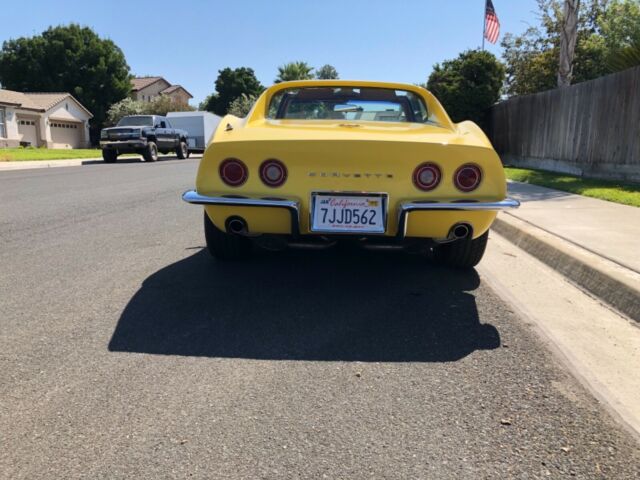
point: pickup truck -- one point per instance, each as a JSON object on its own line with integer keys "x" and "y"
{"x": 143, "y": 134}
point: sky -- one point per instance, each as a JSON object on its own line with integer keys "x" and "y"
{"x": 188, "y": 41}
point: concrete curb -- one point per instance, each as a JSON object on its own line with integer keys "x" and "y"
{"x": 75, "y": 162}
{"x": 608, "y": 281}
{"x": 26, "y": 165}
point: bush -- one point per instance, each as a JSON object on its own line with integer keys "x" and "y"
{"x": 158, "y": 106}
{"x": 240, "y": 106}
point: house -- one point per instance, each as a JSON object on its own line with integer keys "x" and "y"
{"x": 52, "y": 120}
{"x": 147, "y": 88}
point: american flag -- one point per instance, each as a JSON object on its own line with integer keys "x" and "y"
{"x": 491, "y": 23}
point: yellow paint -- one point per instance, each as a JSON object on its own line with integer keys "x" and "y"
{"x": 322, "y": 155}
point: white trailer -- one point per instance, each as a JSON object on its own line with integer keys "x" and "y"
{"x": 199, "y": 125}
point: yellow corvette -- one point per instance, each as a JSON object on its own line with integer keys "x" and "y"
{"x": 379, "y": 164}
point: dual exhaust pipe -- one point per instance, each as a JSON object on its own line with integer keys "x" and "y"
{"x": 238, "y": 226}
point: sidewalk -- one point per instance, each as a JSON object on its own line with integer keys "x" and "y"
{"x": 592, "y": 242}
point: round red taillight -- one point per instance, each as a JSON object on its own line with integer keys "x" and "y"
{"x": 273, "y": 173}
{"x": 233, "y": 172}
{"x": 467, "y": 177}
{"x": 427, "y": 176}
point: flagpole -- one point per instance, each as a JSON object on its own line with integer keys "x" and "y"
{"x": 484, "y": 23}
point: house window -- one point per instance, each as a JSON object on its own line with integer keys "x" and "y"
{"x": 3, "y": 123}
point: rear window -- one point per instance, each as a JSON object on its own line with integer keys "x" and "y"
{"x": 349, "y": 104}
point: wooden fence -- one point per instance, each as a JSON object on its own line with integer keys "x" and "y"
{"x": 591, "y": 128}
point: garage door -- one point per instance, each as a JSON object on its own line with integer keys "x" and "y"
{"x": 27, "y": 131}
{"x": 66, "y": 134}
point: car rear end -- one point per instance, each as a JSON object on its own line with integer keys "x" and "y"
{"x": 383, "y": 183}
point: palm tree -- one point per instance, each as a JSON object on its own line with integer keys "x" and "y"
{"x": 294, "y": 71}
{"x": 626, "y": 57}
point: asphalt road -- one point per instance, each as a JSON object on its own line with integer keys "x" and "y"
{"x": 126, "y": 352}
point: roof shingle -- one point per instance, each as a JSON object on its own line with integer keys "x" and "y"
{"x": 138, "y": 83}
{"x": 39, "y": 101}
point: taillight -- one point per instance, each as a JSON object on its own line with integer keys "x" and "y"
{"x": 467, "y": 177}
{"x": 427, "y": 176}
{"x": 273, "y": 173}
{"x": 233, "y": 172}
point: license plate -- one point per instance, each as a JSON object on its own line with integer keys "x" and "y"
{"x": 348, "y": 213}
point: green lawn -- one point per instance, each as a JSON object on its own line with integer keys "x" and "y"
{"x": 619, "y": 192}
{"x": 22, "y": 154}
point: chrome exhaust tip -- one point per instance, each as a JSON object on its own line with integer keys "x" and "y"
{"x": 237, "y": 226}
{"x": 462, "y": 230}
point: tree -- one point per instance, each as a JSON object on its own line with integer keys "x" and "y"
{"x": 68, "y": 59}
{"x": 240, "y": 106}
{"x": 568, "y": 37}
{"x": 468, "y": 85}
{"x": 327, "y": 72}
{"x": 294, "y": 71}
{"x": 231, "y": 84}
{"x": 604, "y": 27}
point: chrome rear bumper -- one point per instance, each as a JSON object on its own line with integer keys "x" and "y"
{"x": 505, "y": 204}
{"x": 192, "y": 196}
{"x": 293, "y": 206}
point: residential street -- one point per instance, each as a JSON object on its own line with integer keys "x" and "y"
{"x": 127, "y": 352}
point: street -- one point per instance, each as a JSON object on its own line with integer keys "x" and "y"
{"x": 127, "y": 352}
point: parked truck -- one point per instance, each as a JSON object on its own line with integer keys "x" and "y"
{"x": 143, "y": 134}
{"x": 199, "y": 125}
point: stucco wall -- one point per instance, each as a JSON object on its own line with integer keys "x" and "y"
{"x": 12, "y": 129}
{"x": 180, "y": 96}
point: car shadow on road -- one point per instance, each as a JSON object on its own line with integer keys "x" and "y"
{"x": 323, "y": 306}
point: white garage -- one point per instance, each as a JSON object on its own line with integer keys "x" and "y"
{"x": 66, "y": 134}
{"x": 28, "y": 131}
{"x": 52, "y": 120}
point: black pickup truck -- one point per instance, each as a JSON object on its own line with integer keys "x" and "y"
{"x": 143, "y": 134}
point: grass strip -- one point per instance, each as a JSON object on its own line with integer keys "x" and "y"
{"x": 612, "y": 191}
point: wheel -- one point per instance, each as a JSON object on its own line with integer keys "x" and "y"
{"x": 109, "y": 156}
{"x": 222, "y": 245}
{"x": 464, "y": 253}
{"x": 150, "y": 154}
{"x": 182, "y": 151}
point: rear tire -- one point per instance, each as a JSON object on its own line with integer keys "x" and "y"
{"x": 150, "y": 153}
{"x": 464, "y": 253}
{"x": 109, "y": 156}
{"x": 224, "y": 246}
{"x": 182, "y": 151}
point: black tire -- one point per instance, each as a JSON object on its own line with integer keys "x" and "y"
{"x": 150, "y": 153}
{"x": 465, "y": 253}
{"x": 224, "y": 246}
{"x": 182, "y": 151}
{"x": 109, "y": 156}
